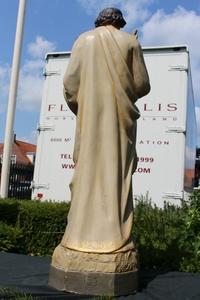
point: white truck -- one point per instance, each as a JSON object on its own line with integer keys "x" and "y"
{"x": 166, "y": 138}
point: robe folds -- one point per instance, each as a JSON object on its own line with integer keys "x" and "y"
{"x": 105, "y": 77}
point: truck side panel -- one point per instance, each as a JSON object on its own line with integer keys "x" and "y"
{"x": 191, "y": 139}
{"x": 161, "y": 140}
{"x": 54, "y": 163}
{"x": 161, "y": 128}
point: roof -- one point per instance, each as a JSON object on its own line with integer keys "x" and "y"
{"x": 26, "y": 147}
{"x": 21, "y": 149}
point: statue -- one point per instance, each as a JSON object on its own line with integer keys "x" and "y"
{"x": 105, "y": 77}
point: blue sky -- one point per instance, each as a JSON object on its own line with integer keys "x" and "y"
{"x": 53, "y": 25}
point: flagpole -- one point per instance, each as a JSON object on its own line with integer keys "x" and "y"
{"x": 8, "y": 140}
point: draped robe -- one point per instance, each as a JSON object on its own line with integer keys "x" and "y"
{"x": 105, "y": 77}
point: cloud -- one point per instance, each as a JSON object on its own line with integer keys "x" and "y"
{"x": 198, "y": 124}
{"x": 134, "y": 11}
{"x": 4, "y": 78}
{"x": 30, "y": 89}
{"x": 40, "y": 47}
{"x": 4, "y": 85}
{"x": 180, "y": 27}
{"x": 196, "y": 79}
{"x": 31, "y": 79}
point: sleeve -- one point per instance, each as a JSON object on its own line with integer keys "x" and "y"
{"x": 71, "y": 79}
{"x": 140, "y": 74}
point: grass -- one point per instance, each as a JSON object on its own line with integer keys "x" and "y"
{"x": 15, "y": 294}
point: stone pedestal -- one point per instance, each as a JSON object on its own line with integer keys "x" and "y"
{"x": 93, "y": 273}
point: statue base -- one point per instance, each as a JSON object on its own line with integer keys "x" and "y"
{"x": 112, "y": 274}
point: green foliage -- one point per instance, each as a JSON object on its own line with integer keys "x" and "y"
{"x": 10, "y": 238}
{"x": 167, "y": 238}
{"x": 13, "y": 293}
{"x": 37, "y": 227}
{"x": 191, "y": 235}
{"x": 157, "y": 234}
{"x": 43, "y": 225}
{"x": 193, "y": 218}
{"x": 9, "y": 211}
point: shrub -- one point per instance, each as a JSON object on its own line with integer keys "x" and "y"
{"x": 191, "y": 235}
{"x": 10, "y": 238}
{"x": 167, "y": 238}
{"x": 9, "y": 211}
{"x": 157, "y": 234}
{"x": 42, "y": 225}
{"x": 36, "y": 227}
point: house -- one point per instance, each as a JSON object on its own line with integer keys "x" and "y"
{"x": 23, "y": 153}
{"x": 21, "y": 170}
{"x": 197, "y": 168}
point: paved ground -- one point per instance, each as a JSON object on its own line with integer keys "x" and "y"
{"x": 30, "y": 275}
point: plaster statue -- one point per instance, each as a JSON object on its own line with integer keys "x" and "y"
{"x": 105, "y": 77}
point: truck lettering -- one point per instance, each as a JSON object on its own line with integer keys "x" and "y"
{"x": 172, "y": 107}
{"x": 51, "y": 106}
{"x": 68, "y": 166}
{"x": 150, "y": 142}
{"x": 63, "y": 107}
{"x": 160, "y": 107}
{"x": 146, "y": 159}
{"x": 56, "y": 139}
{"x": 158, "y": 118}
{"x": 66, "y": 156}
{"x": 66, "y": 140}
{"x": 60, "y": 107}
{"x": 146, "y": 108}
{"x": 143, "y": 170}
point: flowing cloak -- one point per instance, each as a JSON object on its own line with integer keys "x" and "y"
{"x": 105, "y": 76}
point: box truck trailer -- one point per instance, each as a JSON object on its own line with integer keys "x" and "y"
{"x": 166, "y": 136}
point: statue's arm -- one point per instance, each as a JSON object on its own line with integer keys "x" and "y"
{"x": 71, "y": 79}
{"x": 140, "y": 74}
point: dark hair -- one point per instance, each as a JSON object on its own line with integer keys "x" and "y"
{"x": 110, "y": 16}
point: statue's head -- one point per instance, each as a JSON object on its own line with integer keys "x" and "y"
{"x": 110, "y": 16}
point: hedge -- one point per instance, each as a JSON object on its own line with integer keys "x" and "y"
{"x": 36, "y": 228}
{"x": 167, "y": 238}
{"x": 42, "y": 224}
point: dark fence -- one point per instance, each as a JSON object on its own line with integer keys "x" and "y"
{"x": 20, "y": 181}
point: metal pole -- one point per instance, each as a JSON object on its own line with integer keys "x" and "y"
{"x": 8, "y": 140}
